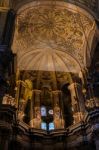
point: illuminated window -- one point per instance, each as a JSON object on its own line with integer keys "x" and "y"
{"x": 43, "y": 126}
{"x": 51, "y": 126}
{"x": 50, "y": 112}
{"x": 43, "y": 111}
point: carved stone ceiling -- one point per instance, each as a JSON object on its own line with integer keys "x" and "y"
{"x": 52, "y": 37}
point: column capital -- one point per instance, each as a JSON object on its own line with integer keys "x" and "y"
{"x": 73, "y": 85}
{"x": 37, "y": 92}
{"x": 56, "y": 92}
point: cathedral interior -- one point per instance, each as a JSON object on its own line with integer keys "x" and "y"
{"x": 49, "y": 74}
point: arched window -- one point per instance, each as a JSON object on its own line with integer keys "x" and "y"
{"x": 43, "y": 111}
{"x": 43, "y": 126}
{"x": 51, "y": 126}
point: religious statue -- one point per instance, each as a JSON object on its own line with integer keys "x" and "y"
{"x": 13, "y": 102}
{"x": 21, "y": 115}
{"x": 21, "y": 104}
{"x": 8, "y": 100}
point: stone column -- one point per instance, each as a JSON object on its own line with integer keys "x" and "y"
{"x": 9, "y": 28}
{"x": 3, "y": 17}
{"x": 5, "y": 53}
{"x": 80, "y": 97}
{"x": 17, "y": 89}
{"x": 71, "y": 87}
{"x": 88, "y": 90}
{"x": 4, "y": 86}
{"x": 31, "y": 110}
{"x": 77, "y": 101}
{"x": 37, "y": 111}
{"x": 7, "y": 18}
{"x": 56, "y": 98}
{"x": 58, "y": 117}
{"x": 77, "y": 96}
{"x": 37, "y": 97}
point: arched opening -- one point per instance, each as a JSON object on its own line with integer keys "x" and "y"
{"x": 67, "y": 105}
{"x": 48, "y": 51}
{"x": 45, "y": 103}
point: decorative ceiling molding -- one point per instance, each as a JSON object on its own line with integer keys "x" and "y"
{"x": 47, "y": 32}
{"x": 90, "y": 4}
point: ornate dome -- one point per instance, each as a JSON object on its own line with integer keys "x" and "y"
{"x": 53, "y": 37}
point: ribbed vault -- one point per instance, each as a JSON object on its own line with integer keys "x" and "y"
{"x": 49, "y": 60}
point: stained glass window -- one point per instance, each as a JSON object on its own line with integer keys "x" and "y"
{"x": 51, "y": 126}
{"x": 43, "y": 126}
{"x": 50, "y": 112}
{"x": 43, "y": 111}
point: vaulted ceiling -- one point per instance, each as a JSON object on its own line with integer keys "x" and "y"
{"x": 53, "y": 37}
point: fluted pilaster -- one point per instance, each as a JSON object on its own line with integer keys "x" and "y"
{"x": 58, "y": 116}
{"x": 37, "y": 112}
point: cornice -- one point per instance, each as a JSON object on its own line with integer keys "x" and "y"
{"x": 92, "y": 6}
